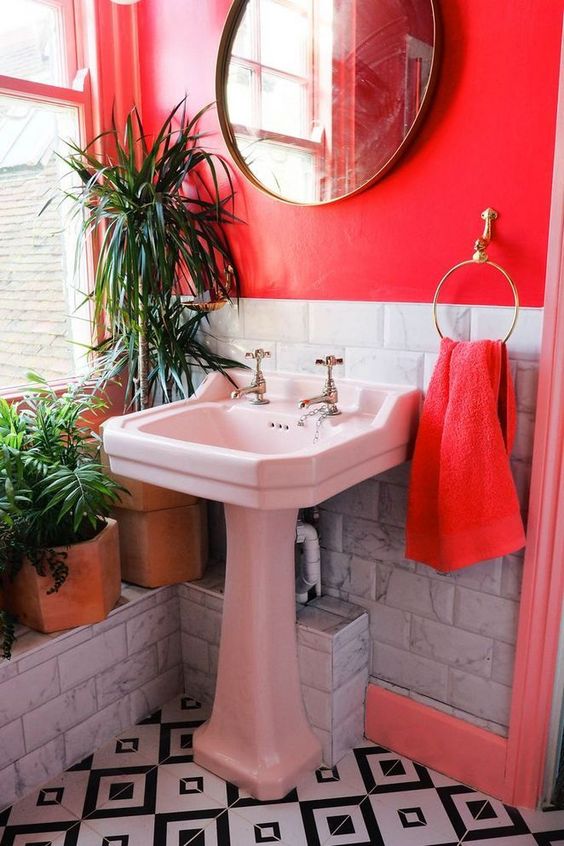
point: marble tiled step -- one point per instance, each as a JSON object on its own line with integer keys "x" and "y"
{"x": 64, "y": 694}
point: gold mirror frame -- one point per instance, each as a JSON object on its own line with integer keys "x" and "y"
{"x": 224, "y": 53}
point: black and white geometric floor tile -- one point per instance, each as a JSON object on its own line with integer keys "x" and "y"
{"x": 144, "y": 789}
{"x": 413, "y": 818}
{"x": 385, "y": 772}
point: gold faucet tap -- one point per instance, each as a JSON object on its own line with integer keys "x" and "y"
{"x": 258, "y": 384}
{"x": 330, "y": 396}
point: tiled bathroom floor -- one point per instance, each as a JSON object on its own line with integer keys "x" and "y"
{"x": 143, "y": 789}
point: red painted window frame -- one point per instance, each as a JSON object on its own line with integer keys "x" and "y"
{"x": 103, "y": 81}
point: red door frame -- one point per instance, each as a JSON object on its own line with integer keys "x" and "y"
{"x": 512, "y": 768}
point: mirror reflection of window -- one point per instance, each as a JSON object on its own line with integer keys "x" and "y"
{"x": 283, "y": 169}
{"x": 270, "y": 94}
{"x": 272, "y": 64}
{"x": 292, "y": 119}
{"x": 239, "y": 94}
{"x": 285, "y": 36}
{"x": 339, "y": 83}
{"x": 243, "y": 43}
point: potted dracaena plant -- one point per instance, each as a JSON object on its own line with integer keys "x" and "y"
{"x": 55, "y": 500}
{"x": 158, "y": 213}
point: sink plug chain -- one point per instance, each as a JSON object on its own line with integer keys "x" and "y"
{"x": 311, "y": 413}
{"x": 321, "y": 413}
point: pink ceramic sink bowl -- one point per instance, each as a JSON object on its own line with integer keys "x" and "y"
{"x": 257, "y": 456}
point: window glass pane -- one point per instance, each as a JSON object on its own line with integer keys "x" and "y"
{"x": 284, "y": 38}
{"x": 36, "y": 251}
{"x": 31, "y": 42}
{"x": 239, "y": 99}
{"x": 291, "y": 119}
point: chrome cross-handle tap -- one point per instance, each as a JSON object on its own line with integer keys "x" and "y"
{"x": 329, "y": 397}
{"x": 258, "y": 383}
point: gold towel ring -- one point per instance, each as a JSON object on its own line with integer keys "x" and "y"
{"x": 497, "y": 267}
{"x": 480, "y": 257}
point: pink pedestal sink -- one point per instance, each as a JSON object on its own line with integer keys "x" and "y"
{"x": 264, "y": 467}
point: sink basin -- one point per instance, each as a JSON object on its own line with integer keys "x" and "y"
{"x": 264, "y": 467}
{"x": 257, "y": 456}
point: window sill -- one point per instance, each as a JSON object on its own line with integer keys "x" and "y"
{"x": 12, "y": 393}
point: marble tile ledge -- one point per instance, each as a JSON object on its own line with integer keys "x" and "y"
{"x": 32, "y": 648}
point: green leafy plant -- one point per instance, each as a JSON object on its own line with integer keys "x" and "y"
{"x": 53, "y": 490}
{"x": 7, "y": 620}
{"x": 159, "y": 214}
{"x": 7, "y": 633}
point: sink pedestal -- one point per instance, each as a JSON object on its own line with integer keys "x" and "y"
{"x": 258, "y": 736}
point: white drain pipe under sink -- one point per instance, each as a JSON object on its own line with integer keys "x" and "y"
{"x": 310, "y": 565}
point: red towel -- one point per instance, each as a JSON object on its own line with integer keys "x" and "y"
{"x": 463, "y": 505}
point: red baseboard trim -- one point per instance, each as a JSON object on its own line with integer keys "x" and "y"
{"x": 464, "y": 752}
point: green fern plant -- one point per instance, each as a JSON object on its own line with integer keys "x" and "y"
{"x": 53, "y": 490}
{"x": 7, "y": 633}
{"x": 7, "y": 620}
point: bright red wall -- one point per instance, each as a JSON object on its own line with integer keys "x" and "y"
{"x": 487, "y": 141}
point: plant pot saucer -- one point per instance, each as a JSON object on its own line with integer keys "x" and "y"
{"x": 201, "y": 305}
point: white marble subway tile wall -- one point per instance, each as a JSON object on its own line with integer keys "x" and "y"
{"x": 333, "y": 653}
{"x": 63, "y": 695}
{"x": 449, "y": 640}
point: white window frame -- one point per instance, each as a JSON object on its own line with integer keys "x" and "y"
{"x": 76, "y": 93}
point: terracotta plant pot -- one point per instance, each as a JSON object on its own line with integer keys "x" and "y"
{"x": 91, "y": 590}
{"x": 145, "y": 497}
{"x": 142, "y": 496}
{"x": 163, "y": 534}
{"x": 164, "y": 546}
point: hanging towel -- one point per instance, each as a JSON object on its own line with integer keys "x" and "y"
{"x": 463, "y": 505}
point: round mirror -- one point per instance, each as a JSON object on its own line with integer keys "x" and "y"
{"x": 317, "y": 99}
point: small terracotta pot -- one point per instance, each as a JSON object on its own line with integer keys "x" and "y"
{"x": 163, "y": 547}
{"x": 163, "y": 533}
{"x": 91, "y": 590}
{"x": 142, "y": 496}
